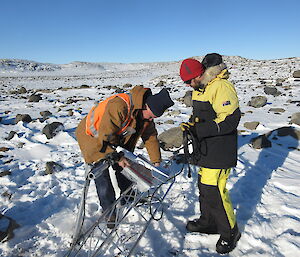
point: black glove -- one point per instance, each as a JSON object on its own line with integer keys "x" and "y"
{"x": 115, "y": 156}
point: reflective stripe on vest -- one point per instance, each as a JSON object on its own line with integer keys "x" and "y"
{"x": 95, "y": 115}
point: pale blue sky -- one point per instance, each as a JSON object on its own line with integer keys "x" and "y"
{"x": 62, "y": 31}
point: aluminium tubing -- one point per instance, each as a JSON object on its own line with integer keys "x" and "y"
{"x": 97, "y": 170}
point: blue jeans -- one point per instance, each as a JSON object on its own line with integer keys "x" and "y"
{"x": 105, "y": 190}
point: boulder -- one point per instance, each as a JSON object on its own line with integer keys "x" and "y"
{"x": 11, "y": 135}
{"x": 5, "y": 173}
{"x": 51, "y": 130}
{"x": 7, "y": 227}
{"x": 160, "y": 84}
{"x": 52, "y": 167}
{"x": 35, "y": 98}
{"x": 70, "y": 112}
{"x": 119, "y": 90}
{"x": 277, "y": 110}
{"x": 45, "y": 114}
{"x": 23, "y": 117}
{"x": 127, "y": 85}
{"x": 288, "y": 131}
{"x": 271, "y": 91}
{"x": 4, "y": 149}
{"x": 171, "y": 138}
{"x": 296, "y": 74}
{"x": 22, "y": 90}
{"x": 296, "y": 118}
{"x": 170, "y": 122}
{"x": 251, "y": 125}
{"x": 174, "y": 113}
{"x": 84, "y": 86}
{"x": 187, "y": 99}
{"x": 260, "y": 142}
{"x": 257, "y": 101}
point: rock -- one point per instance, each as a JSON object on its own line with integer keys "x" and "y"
{"x": 171, "y": 138}
{"x": 45, "y": 114}
{"x": 271, "y": 91}
{"x": 4, "y": 149}
{"x": 111, "y": 87}
{"x": 71, "y": 100}
{"x": 84, "y": 86}
{"x": 4, "y": 173}
{"x": 7, "y": 227}
{"x": 7, "y": 195}
{"x": 261, "y": 142}
{"x": 23, "y": 117}
{"x": 51, "y": 130}
{"x": 127, "y": 85}
{"x": 288, "y": 131}
{"x": 251, "y": 125}
{"x": 35, "y": 98}
{"x": 174, "y": 113}
{"x": 257, "y": 101}
{"x": 20, "y": 144}
{"x": 52, "y": 167}
{"x": 277, "y": 110}
{"x": 187, "y": 99}
{"x": 169, "y": 122}
{"x": 296, "y": 118}
{"x": 22, "y": 90}
{"x": 70, "y": 112}
{"x": 296, "y": 74}
{"x": 280, "y": 81}
{"x": 11, "y": 135}
{"x": 119, "y": 90}
{"x": 160, "y": 84}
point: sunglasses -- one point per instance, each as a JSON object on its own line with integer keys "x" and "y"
{"x": 188, "y": 82}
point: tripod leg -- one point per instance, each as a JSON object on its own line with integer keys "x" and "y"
{"x": 81, "y": 210}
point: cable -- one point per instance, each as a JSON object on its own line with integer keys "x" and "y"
{"x": 160, "y": 200}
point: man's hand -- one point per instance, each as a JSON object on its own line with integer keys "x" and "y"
{"x": 156, "y": 164}
{"x": 123, "y": 162}
{"x": 186, "y": 125}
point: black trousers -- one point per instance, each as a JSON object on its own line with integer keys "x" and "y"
{"x": 105, "y": 190}
{"x": 215, "y": 204}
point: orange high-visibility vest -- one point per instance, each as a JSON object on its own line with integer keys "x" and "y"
{"x": 95, "y": 115}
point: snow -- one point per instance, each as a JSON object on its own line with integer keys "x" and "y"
{"x": 264, "y": 187}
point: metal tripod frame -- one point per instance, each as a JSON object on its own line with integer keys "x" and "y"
{"x": 134, "y": 212}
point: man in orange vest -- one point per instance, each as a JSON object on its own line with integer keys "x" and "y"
{"x": 121, "y": 121}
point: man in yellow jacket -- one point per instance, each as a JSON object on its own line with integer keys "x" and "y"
{"x": 214, "y": 122}
{"x": 144, "y": 107}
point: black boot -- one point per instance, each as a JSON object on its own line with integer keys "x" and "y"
{"x": 196, "y": 226}
{"x": 226, "y": 245}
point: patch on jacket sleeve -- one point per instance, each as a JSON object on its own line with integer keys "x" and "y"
{"x": 226, "y": 103}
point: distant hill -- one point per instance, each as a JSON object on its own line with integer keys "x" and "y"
{"x": 17, "y": 67}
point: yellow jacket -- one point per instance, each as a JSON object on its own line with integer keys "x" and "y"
{"x": 216, "y": 108}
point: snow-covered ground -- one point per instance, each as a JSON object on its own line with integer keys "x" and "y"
{"x": 264, "y": 186}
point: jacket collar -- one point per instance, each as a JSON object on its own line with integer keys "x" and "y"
{"x": 138, "y": 94}
{"x": 214, "y": 72}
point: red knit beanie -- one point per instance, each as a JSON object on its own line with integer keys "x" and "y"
{"x": 190, "y": 69}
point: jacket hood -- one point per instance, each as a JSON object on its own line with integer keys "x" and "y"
{"x": 139, "y": 93}
{"x": 213, "y": 72}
